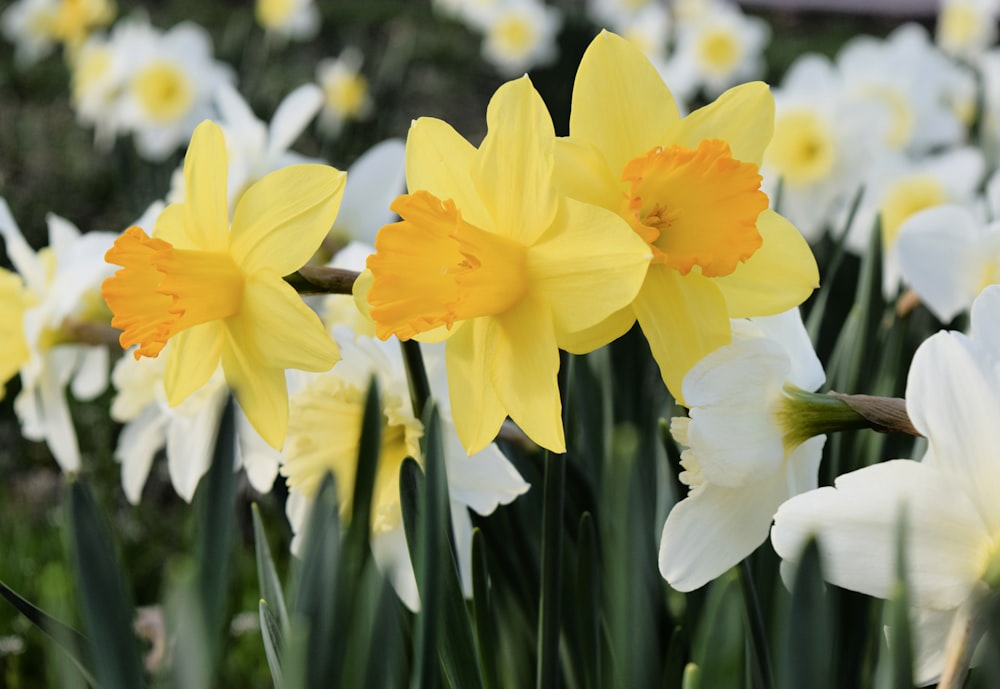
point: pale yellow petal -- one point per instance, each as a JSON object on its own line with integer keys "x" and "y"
{"x": 260, "y": 389}
{"x": 590, "y": 265}
{"x": 683, "y": 318}
{"x": 475, "y": 407}
{"x": 192, "y": 358}
{"x": 781, "y": 274}
{"x": 525, "y": 372}
{"x": 514, "y": 175}
{"x": 743, "y": 117}
{"x": 276, "y": 327}
{"x": 582, "y": 174}
{"x": 170, "y": 227}
{"x": 206, "y": 174}
{"x": 596, "y": 336}
{"x": 281, "y": 220}
{"x": 620, "y": 103}
{"x": 440, "y": 161}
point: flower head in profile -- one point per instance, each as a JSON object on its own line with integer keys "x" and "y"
{"x": 490, "y": 256}
{"x": 690, "y": 188}
{"x": 740, "y": 461}
{"x": 951, "y": 498}
{"x": 346, "y": 94}
{"x": 215, "y": 289}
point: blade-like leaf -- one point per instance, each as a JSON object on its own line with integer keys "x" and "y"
{"x": 550, "y": 604}
{"x": 267, "y": 576}
{"x": 270, "y": 630}
{"x": 104, "y": 600}
{"x": 809, "y": 651}
{"x": 483, "y": 606}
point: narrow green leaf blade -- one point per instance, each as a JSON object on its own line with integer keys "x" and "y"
{"x": 267, "y": 576}
{"x": 271, "y": 631}
{"x": 809, "y": 650}
{"x": 550, "y": 604}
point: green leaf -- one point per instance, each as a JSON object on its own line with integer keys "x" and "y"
{"x": 105, "y": 604}
{"x": 809, "y": 647}
{"x": 898, "y": 672}
{"x": 65, "y": 637}
{"x": 720, "y": 639}
{"x": 483, "y": 607}
{"x": 588, "y": 584}
{"x": 271, "y": 631}
{"x": 267, "y": 576}
{"x": 550, "y": 604}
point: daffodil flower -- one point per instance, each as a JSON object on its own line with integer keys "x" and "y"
{"x": 740, "y": 461}
{"x": 491, "y": 256}
{"x": 216, "y": 292}
{"x": 691, "y": 189}
{"x": 951, "y": 498}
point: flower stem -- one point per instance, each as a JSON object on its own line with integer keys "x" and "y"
{"x": 322, "y": 280}
{"x": 966, "y": 630}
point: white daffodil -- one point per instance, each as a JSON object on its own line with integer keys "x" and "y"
{"x": 288, "y": 19}
{"x": 254, "y": 148}
{"x": 896, "y": 188}
{"x": 648, "y": 28}
{"x": 520, "y": 35}
{"x": 376, "y": 178}
{"x": 28, "y": 25}
{"x": 740, "y": 461}
{"x": 323, "y": 436}
{"x": 951, "y": 499}
{"x": 169, "y": 87}
{"x": 346, "y": 95}
{"x": 822, "y": 143}
{"x": 616, "y": 15}
{"x": 716, "y": 49}
{"x": 967, "y": 28}
{"x": 947, "y": 255}
{"x": 188, "y": 431}
{"x": 58, "y": 298}
{"x": 912, "y": 81}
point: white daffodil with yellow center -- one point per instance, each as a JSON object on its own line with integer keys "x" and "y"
{"x": 950, "y": 499}
{"x": 690, "y": 188}
{"x": 295, "y": 19}
{"x": 740, "y": 458}
{"x": 346, "y": 94}
{"x": 324, "y": 437}
{"x": 520, "y": 35}
{"x": 46, "y": 306}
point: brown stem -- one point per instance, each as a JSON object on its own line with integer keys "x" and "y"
{"x": 885, "y": 414}
{"x": 322, "y": 280}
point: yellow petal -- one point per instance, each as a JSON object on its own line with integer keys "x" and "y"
{"x": 475, "y": 407}
{"x": 206, "y": 173}
{"x": 590, "y": 265}
{"x": 781, "y": 274}
{"x": 281, "y": 220}
{"x": 514, "y": 176}
{"x": 260, "y": 390}
{"x": 596, "y": 336}
{"x": 581, "y": 173}
{"x": 620, "y": 103}
{"x": 683, "y": 318}
{"x": 363, "y": 285}
{"x": 276, "y": 327}
{"x": 191, "y": 360}
{"x": 743, "y": 117}
{"x": 525, "y": 372}
{"x": 170, "y": 227}
{"x": 440, "y": 161}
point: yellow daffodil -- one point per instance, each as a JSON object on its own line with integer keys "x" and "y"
{"x": 13, "y": 343}
{"x": 691, "y": 189}
{"x": 488, "y": 250}
{"x": 216, "y": 292}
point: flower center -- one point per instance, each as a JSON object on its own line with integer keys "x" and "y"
{"x": 903, "y": 199}
{"x": 515, "y": 35}
{"x": 696, "y": 207}
{"x": 324, "y": 433}
{"x": 433, "y": 269}
{"x": 959, "y": 26}
{"x": 274, "y": 13}
{"x": 347, "y": 94}
{"x": 161, "y": 290}
{"x": 719, "y": 50}
{"x": 802, "y": 149}
{"x": 164, "y": 91}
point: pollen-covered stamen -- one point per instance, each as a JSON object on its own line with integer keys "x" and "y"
{"x": 433, "y": 268}
{"x": 161, "y": 290}
{"x": 696, "y": 207}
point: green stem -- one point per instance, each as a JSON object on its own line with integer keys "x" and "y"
{"x": 549, "y": 611}
{"x": 760, "y": 657}
{"x": 416, "y": 375}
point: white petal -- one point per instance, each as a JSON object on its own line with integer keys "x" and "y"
{"x": 373, "y": 181}
{"x": 712, "y": 530}
{"x": 91, "y": 377}
{"x": 787, "y": 330}
{"x": 733, "y": 432}
{"x": 57, "y": 424}
{"x": 137, "y": 445}
{"x": 21, "y": 255}
{"x": 930, "y": 630}
{"x": 856, "y": 524}
{"x": 986, "y": 319}
{"x": 483, "y": 481}
{"x": 259, "y": 459}
{"x": 937, "y": 254}
{"x": 462, "y": 526}
{"x": 190, "y": 442}
{"x": 293, "y": 115}
{"x": 393, "y": 559}
{"x": 953, "y": 398}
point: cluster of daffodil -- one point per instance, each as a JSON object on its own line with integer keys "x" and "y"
{"x": 693, "y": 227}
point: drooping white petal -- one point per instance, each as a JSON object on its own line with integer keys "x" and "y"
{"x": 373, "y": 181}
{"x": 91, "y": 376}
{"x": 985, "y": 327}
{"x": 137, "y": 445}
{"x": 483, "y": 481}
{"x": 953, "y": 398}
{"x": 259, "y": 459}
{"x": 787, "y": 330}
{"x": 191, "y": 439}
{"x": 25, "y": 261}
{"x": 856, "y": 524}
{"x": 393, "y": 559}
{"x": 293, "y": 115}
